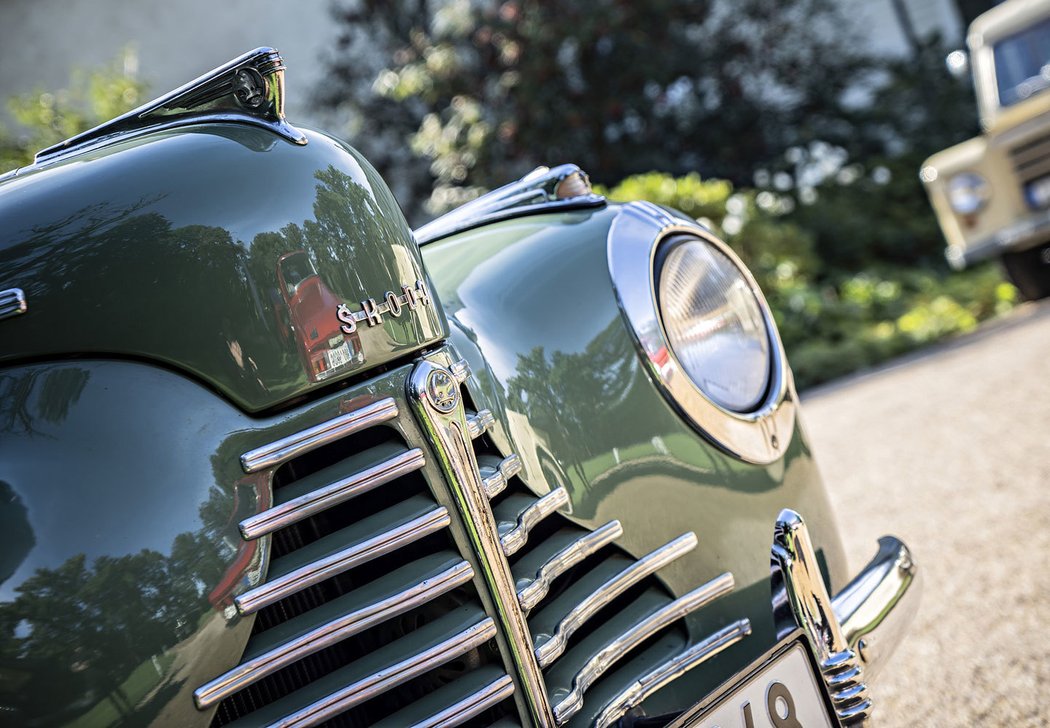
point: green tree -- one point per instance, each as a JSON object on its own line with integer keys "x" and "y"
{"x": 47, "y": 117}
{"x": 481, "y": 92}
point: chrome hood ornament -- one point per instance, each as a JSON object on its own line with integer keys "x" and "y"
{"x": 249, "y": 89}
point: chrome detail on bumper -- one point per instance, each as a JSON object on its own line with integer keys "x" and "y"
{"x": 1024, "y": 233}
{"x": 12, "y": 303}
{"x": 318, "y": 500}
{"x": 319, "y": 638}
{"x": 607, "y": 657}
{"x": 836, "y": 629}
{"x": 565, "y": 187}
{"x": 673, "y": 669}
{"x": 455, "y": 454}
{"x": 518, "y": 535}
{"x": 550, "y": 647}
{"x": 535, "y": 588}
{"x": 314, "y": 437}
{"x": 875, "y": 609}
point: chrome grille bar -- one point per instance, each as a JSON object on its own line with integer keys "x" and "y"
{"x": 598, "y": 664}
{"x": 330, "y": 633}
{"x": 343, "y": 560}
{"x": 307, "y": 505}
{"x": 495, "y": 479}
{"x": 528, "y": 519}
{"x": 479, "y": 422}
{"x": 635, "y": 693}
{"x": 379, "y": 682}
{"x": 532, "y": 593}
{"x": 548, "y": 650}
{"x": 313, "y": 437}
{"x": 12, "y": 302}
{"x": 470, "y": 706}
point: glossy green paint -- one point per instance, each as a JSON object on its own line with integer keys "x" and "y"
{"x": 532, "y": 308}
{"x": 121, "y": 498}
{"x": 168, "y": 246}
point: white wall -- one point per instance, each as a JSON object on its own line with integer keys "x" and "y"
{"x": 176, "y": 41}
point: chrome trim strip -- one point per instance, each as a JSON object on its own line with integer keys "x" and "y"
{"x": 536, "y": 589}
{"x": 308, "y": 504}
{"x": 390, "y": 677}
{"x": 455, "y": 454}
{"x": 565, "y": 187}
{"x": 496, "y": 482}
{"x": 531, "y": 517}
{"x": 479, "y": 422}
{"x": 273, "y": 591}
{"x": 635, "y": 693}
{"x": 12, "y": 303}
{"x": 800, "y": 599}
{"x": 314, "y": 437}
{"x": 876, "y": 607}
{"x": 329, "y": 634}
{"x": 634, "y": 238}
{"x": 615, "y": 650}
{"x": 549, "y": 648}
{"x": 470, "y": 706}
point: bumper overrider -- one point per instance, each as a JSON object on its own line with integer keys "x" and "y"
{"x": 853, "y": 633}
{"x": 1022, "y": 234}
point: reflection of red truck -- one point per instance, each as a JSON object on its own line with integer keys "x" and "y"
{"x": 311, "y": 309}
{"x": 251, "y": 495}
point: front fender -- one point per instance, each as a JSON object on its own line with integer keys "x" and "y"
{"x": 532, "y": 308}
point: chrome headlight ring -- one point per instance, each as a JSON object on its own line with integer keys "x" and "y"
{"x": 760, "y": 435}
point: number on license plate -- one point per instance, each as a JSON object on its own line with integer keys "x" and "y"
{"x": 782, "y": 694}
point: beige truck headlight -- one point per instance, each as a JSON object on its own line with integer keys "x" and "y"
{"x": 968, "y": 192}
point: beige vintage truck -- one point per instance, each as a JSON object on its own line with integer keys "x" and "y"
{"x": 992, "y": 193}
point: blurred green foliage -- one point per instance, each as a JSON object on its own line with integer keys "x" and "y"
{"x": 832, "y": 320}
{"x": 48, "y": 117}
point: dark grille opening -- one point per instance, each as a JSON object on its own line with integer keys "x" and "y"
{"x": 319, "y": 664}
{"x": 327, "y": 590}
{"x": 621, "y": 603}
{"x": 347, "y": 513}
{"x": 330, "y": 454}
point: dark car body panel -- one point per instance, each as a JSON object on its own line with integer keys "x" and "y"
{"x": 165, "y": 247}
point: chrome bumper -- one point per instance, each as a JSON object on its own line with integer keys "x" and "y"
{"x": 1025, "y": 233}
{"x": 853, "y": 634}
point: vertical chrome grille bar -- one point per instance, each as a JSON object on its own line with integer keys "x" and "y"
{"x": 443, "y": 417}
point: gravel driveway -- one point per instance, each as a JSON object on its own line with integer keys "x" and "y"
{"x": 950, "y": 451}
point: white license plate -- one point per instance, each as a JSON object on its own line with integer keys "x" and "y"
{"x": 783, "y": 692}
{"x": 338, "y": 356}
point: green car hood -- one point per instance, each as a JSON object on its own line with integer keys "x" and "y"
{"x": 222, "y": 251}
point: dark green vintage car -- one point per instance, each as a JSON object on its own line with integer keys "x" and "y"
{"x": 268, "y": 456}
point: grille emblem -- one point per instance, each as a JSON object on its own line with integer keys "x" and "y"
{"x": 442, "y": 390}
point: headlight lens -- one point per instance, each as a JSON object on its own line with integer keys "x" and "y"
{"x": 968, "y": 192}
{"x": 714, "y": 324}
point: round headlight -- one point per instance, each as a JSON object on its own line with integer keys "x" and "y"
{"x": 714, "y": 324}
{"x": 968, "y": 192}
